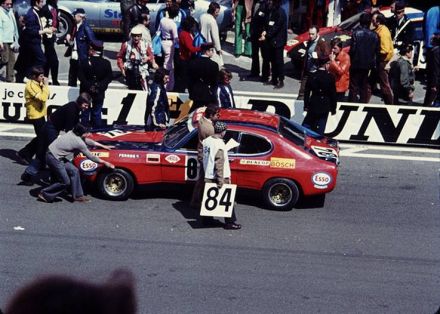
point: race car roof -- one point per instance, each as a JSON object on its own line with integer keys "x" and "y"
{"x": 250, "y": 116}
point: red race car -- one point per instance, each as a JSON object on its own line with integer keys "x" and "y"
{"x": 275, "y": 155}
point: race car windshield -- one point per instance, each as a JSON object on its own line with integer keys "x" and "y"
{"x": 295, "y": 132}
{"x": 351, "y": 22}
{"x": 176, "y": 133}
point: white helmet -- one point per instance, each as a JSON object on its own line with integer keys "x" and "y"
{"x": 137, "y": 30}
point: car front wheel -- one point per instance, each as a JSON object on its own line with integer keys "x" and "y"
{"x": 115, "y": 185}
{"x": 280, "y": 194}
{"x": 66, "y": 25}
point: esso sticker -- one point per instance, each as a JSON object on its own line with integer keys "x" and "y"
{"x": 87, "y": 165}
{"x": 321, "y": 180}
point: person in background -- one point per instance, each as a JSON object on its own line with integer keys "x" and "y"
{"x": 30, "y": 52}
{"x": 157, "y": 113}
{"x": 340, "y": 68}
{"x": 8, "y": 38}
{"x": 259, "y": 11}
{"x": 386, "y": 52}
{"x": 164, "y": 12}
{"x": 95, "y": 75}
{"x": 169, "y": 37}
{"x": 205, "y": 129}
{"x": 59, "y": 159}
{"x": 316, "y": 47}
{"x": 135, "y": 16}
{"x": 50, "y": 18}
{"x": 275, "y": 37}
{"x": 395, "y": 23}
{"x": 133, "y": 58}
{"x": 62, "y": 119}
{"x": 36, "y": 93}
{"x": 216, "y": 165}
{"x": 402, "y": 75}
{"x": 319, "y": 97}
{"x": 316, "y": 13}
{"x": 187, "y": 51}
{"x": 431, "y": 25}
{"x": 433, "y": 73}
{"x": 209, "y": 30}
{"x": 363, "y": 54}
{"x": 203, "y": 75}
{"x": 55, "y": 294}
{"x": 242, "y": 13}
{"x": 225, "y": 96}
{"x": 146, "y": 35}
{"x": 125, "y": 5}
{"x": 79, "y": 41}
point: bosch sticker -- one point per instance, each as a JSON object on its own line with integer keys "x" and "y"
{"x": 88, "y": 166}
{"x": 321, "y": 180}
{"x": 172, "y": 159}
{"x": 285, "y": 163}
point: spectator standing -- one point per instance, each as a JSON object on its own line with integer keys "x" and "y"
{"x": 59, "y": 159}
{"x": 79, "y": 42}
{"x": 242, "y": 13}
{"x": 216, "y": 165}
{"x": 225, "y": 95}
{"x": 187, "y": 51}
{"x": 136, "y": 14}
{"x": 386, "y": 51}
{"x": 275, "y": 37}
{"x": 164, "y": 12}
{"x": 209, "y": 30}
{"x": 95, "y": 75}
{"x": 353, "y": 7}
{"x": 157, "y": 113}
{"x": 319, "y": 97}
{"x": 205, "y": 129}
{"x": 30, "y": 52}
{"x": 395, "y": 23}
{"x": 431, "y": 25}
{"x": 402, "y": 75}
{"x": 363, "y": 54}
{"x": 433, "y": 72}
{"x": 132, "y": 59}
{"x": 259, "y": 11}
{"x": 169, "y": 39}
{"x": 63, "y": 119}
{"x": 36, "y": 93}
{"x": 203, "y": 74}
{"x": 340, "y": 68}
{"x": 125, "y": 27}
{"x": 316, "y": 47}
{"x": 8, "y": 38}
{"x": 316, "y": 13}
{"x": 50, "y": 19}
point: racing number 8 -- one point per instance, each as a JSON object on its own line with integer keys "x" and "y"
{"x": 211, "y": 200}
{"x": 191, "y": 169}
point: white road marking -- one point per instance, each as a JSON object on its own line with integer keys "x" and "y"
{"x": 392, "y": 157}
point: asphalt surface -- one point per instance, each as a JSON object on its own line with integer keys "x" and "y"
{"x": 373, "y": 247}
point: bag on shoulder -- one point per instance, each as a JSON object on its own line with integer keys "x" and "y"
{"x": 198, "y": 41}
{"x": 156, "y": 44}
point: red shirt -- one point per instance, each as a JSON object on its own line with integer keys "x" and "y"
{"x": 186, "y": 47}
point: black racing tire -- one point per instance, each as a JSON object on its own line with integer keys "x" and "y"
{"x": 115, "y": 185}
{"x": 66, "y": 25}
{"x": 280, "y": 194}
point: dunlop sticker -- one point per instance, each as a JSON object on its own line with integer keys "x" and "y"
{"x": 254, "y": 162}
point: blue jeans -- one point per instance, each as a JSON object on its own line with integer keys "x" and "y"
{"x": 92, "y": 116}
{"x": 68, "y": 175}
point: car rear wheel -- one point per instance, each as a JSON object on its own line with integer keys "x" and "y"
{"x": 116, "y": 185}
{"x": 280, "y": 194}
{"x": 66, "y": 25}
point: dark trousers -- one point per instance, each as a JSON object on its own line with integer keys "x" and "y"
{"x": 302, "y": 85}
{"x": 93, "y": 115}
{"x": 181, "y": 75}
{"x": 73, "y": 72}
{"x": 315, "y": 14}
{"x": 359, "y": 85}
{"x": 382, "y": 77}
{"x": 316, "y": 122}
{"x": 276, "y": 63}
{"x": 265, "y": 71}
{"x": 52, "y": 61}
{"x": 431, "y": 96}
{"x": 31, "y": 148}
{"x": 133, "y": 80}
{"x": 255, "y": 67}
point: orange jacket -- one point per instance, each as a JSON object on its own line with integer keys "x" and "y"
{"x": 340, "y": 68}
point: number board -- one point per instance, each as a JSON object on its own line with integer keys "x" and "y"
{"x": 218, "y": 202}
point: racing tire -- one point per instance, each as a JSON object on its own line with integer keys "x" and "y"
{"x": 115, "y": 185}
{"x": 66, "y": 25}
{"x": 280, "y": 194}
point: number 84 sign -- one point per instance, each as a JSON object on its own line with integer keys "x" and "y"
{"x": 218, "y": 202}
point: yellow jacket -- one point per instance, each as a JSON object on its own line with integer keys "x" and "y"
{"x": 386, "y": 43}
{"x": 35, "y": 96}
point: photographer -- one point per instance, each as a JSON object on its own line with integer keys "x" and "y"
{"x": 95, "y": 74}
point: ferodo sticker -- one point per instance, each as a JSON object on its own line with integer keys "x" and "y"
{"x": 172, "y": 159}
{"x": 254, "y": 162}
{"x": 153, "y": 158}
{"x": 321, "y": 180}
{"x": 97, "y": 154}
{"x": 131, "y": 156}
{"x": 285, "y": 163}
{"x": 88, "y": 166}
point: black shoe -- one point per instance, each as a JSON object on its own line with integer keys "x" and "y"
{"x": 23, "y": 158}
{"x": 270, "y": 83}
{"x": 232, "y": 226}
{"x": 253, "y": 77}
{"x": 279, "y": 85}
{"x": 43, "y": 199}
{"x": 264, "y": 79}
{"x": 56, "y": 83}
{"x": 26, "y": 179}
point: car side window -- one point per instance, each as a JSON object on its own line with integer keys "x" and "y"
{"x": 234, "y": 135}
{"x": 253, "y": 144}
{"x": 191, "y": 144}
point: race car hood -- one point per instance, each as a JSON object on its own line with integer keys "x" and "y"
{"x": 127, "y": 135}
{"x": 302, "y": 38}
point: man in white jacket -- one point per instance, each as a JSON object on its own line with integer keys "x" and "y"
{"x": 209, "y": 30}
